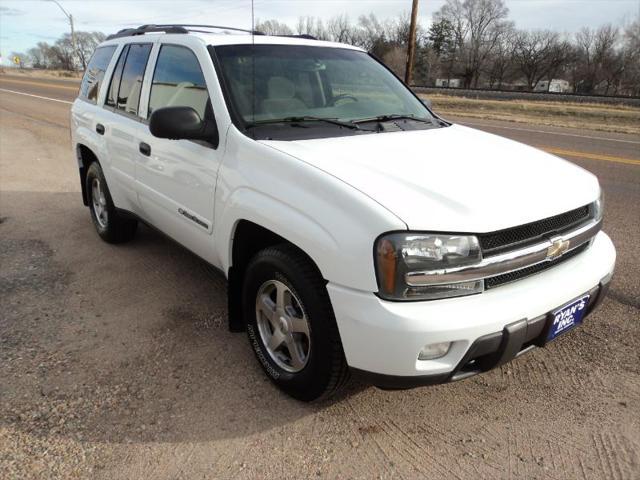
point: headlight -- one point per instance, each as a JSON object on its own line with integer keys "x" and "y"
{"x": 598, "y": 207}
{"x": 401, "y": 257}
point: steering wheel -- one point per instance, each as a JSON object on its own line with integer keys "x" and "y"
{"x": 344, "y": 96}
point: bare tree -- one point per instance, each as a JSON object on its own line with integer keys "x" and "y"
{"x": 312, "y": 26}
{"x": 475, "y": 25}
{"x": 582, "y": 64}
{"x": 595, "y": 55}
{"x": 273, "y": 27}
{"x": 538, "y": 55}
{"x": 86, "y": 43}
{"x": 609, "y": 59}
{"x": 340, "y": 29}
{"x": 373, "y": 35}
{"x": 499, "y": 66}
{"x": 39, "y": 55}
{"x": 397, "y": 29}
{"x": 62, "y": 53}
{"x": 630, "y": 78}
{"x": 557, "y": 59}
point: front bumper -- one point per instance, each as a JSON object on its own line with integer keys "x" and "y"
{"x": 382, "y": 339}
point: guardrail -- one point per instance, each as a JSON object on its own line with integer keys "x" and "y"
{"x": 492, "y": 94}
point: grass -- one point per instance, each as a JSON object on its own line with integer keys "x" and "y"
{"x": 28, "y": 72}
{"x": 600, "y": 117}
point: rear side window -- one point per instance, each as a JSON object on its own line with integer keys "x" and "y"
{"x": 112, "y": 96}
{"x": 178, "y": 81}
{"x": 94, "y": 74}
{"x": 126, "y": 84}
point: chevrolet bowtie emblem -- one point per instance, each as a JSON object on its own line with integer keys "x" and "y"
{"x": 558, "y": 247}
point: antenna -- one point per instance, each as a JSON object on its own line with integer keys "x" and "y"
{"x": 253, "y": 24}
{"x": 253, "y": 66}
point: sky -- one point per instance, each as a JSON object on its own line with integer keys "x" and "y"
{"x": 23, "y": 23}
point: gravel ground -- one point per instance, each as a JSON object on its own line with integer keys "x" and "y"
{"x": 115, "y": 361}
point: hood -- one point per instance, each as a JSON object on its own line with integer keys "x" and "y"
{"x": 453, "y": 179}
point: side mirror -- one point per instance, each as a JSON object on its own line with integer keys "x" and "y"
{"x": 182, "y": 123}
{"x": 426, "y": 102}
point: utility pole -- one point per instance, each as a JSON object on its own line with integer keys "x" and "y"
{"x": 73, "y": 33}
{"x": 411, "y": 50}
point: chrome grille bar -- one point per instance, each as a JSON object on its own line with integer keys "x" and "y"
{"x": 506, "y": 262}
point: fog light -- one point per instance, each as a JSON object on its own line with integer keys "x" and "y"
{"x": 433, "y": 351}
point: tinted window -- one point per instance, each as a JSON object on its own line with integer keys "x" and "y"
{"x": 112, "y": 96}
{"x": 94, "y": 74}
{"x": 178, "y": 81}
{"x": 132, "y": 75}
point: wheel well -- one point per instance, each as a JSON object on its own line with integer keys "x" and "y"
{"x": 86, "y": 157}
{"x": 248, "y": 239}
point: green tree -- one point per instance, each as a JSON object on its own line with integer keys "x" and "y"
{"x": 442, "y": 37}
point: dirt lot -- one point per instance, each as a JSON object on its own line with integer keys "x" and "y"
{"x": 115, "y": 361}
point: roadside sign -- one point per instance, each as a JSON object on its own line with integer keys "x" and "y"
{"x": 16, "y": 60}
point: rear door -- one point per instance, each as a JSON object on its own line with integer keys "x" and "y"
{"x": 176, "y": 179}
{"x": 86, "y": 116}
{"x": 123, "y": 125}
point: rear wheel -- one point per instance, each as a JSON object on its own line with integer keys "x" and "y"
{"x": 291, "y": 325}
{"x": 112, "y": 226}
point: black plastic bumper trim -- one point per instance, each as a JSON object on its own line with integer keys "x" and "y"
{"x": 487, "y": 352}
{"x": 394, "y": 382}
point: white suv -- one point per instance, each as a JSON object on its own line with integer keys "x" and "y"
{"x": 360, "y": 233}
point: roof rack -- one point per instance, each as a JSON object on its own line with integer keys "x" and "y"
{"x": 305, "y": 36}
{"x": 190, "y": 26}
{"x": 174, "y": 28}
{"x": 142, "y": 29}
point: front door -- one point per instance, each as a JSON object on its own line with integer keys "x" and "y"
{"x": 176, "y": 179}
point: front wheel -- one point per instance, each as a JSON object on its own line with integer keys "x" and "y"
{"x": 291, "y": 325}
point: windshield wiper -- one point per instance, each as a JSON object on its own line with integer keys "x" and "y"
{"x": 306, "y": 118}
{"x": 395, "y": 116}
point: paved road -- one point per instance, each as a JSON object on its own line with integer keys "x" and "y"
{"x": 115, "y": 361}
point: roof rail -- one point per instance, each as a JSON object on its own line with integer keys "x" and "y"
{"x": 174, "y": 28}
{"x": 190, "y": 26}
{"x": 305, "y": 36}
{"x": 142, "y": 29}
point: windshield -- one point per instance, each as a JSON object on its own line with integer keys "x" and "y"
{"x": 294, "y": 81}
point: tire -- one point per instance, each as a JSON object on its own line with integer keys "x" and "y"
{"x": 319, "y": 369}
{"x": 112, "y": 226}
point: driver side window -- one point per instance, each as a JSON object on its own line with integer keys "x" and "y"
{"x": 178, "y": 81}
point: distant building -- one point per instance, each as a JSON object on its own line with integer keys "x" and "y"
{"x": 449, "y": 82}
{"x": 517, "y": 86}
{"x": 555, "y": 85}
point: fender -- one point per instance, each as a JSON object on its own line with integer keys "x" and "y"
{"x": 333, "y": 223}
{"x": 290, "y": 223}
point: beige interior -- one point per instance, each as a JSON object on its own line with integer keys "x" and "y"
{"x": 184, "y": 94}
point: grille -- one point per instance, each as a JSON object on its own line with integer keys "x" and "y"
{"x": 525, "y": 272}
{"x": 497, "y": 242}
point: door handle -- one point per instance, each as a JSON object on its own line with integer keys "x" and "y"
{"x": 145, "y": 149}
{"x": 100, "y": 128}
